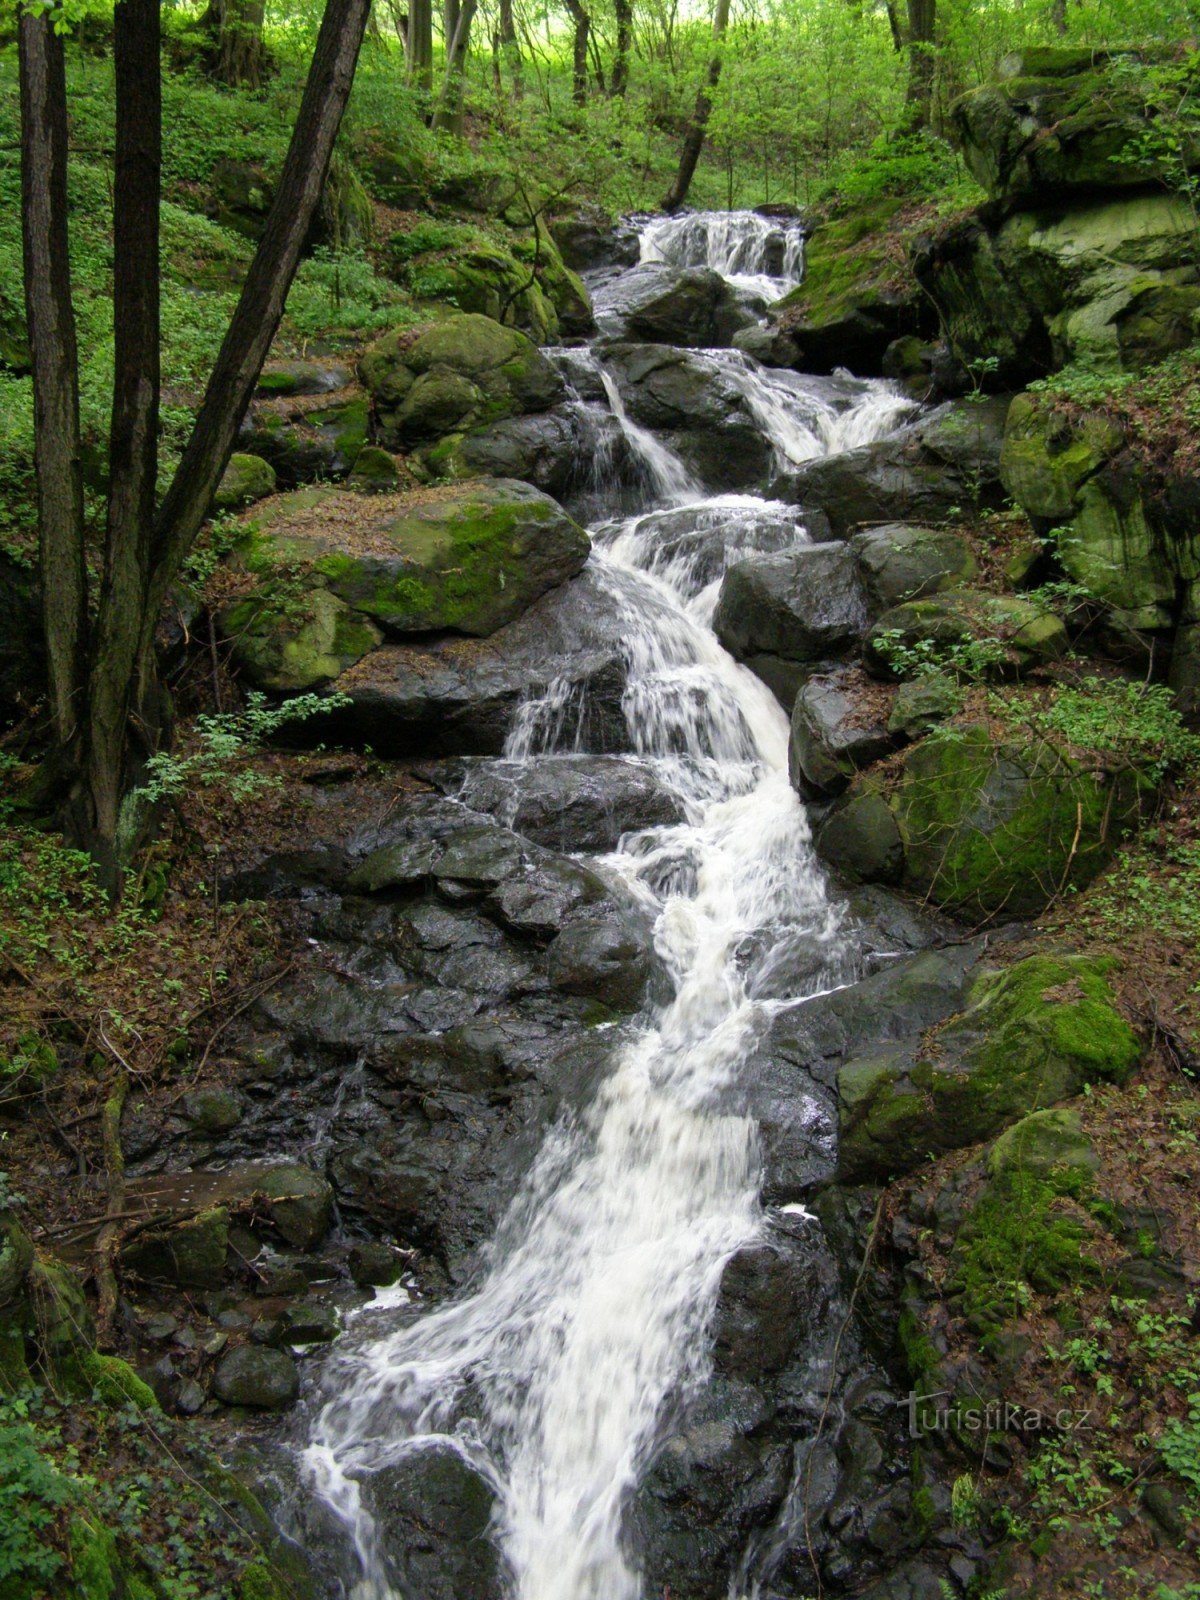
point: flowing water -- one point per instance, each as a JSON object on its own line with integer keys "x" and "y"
{"x": 591, "y": 1310}
{"x": 761, "y": 256}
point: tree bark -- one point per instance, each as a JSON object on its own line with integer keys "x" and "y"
{"x": 420, "y": 44}
{"x": 922, "y": 64}
{"x": 121, "y": 687}
{"x": 619, "y": 81}
{"x": 239, "y": 55}
{"x": 447, "y": 116}
{"x": 264, "y": 292}
{"x": 693, "y": 139}
{"x": 579, "y": 51}
{"x": 510, "y": 48}
{"x": 50, "y": 318}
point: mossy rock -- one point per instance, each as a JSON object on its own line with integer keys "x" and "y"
{"x": 860, "y": 840}
{"x": 1017, "y": 632}
{"x": 96, "y": 1566}
{"x": 300, "y": 1203}
{"x": 467, "y": 559}
{"x": 898, "y": 562}
{"x": 1058, "y": 123}
{"x": 190, "y": 1252}
{"x": 246, "y": 478}
{"x": 374, "y": 471}
{"x": 115, "y": 1383}
{"x": 994, "y": 826}
{"x": 459, "y": 373}
{"x": 290, "y": 645}
{"x": 1041, "y": 1143}
{"x": 857, "y": 296}
{"x": 1029, "y": 1036}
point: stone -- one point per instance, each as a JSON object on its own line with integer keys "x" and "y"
{"x": 434, "y": 1512}
{"x": 280, "y": 379}
{"x": 289, "y": 646}
{"x": 835, "y": 732}
{"x": 374, "y": 472}
{"x": 899, "y": 562}
{"x": 373, "y": 1264}
{"x": 212, "y": 1109}
{"x": 247, "y": 478}
{"x": 1041, "y": 1143}
{"x": 803, "y": 605}
{"x": 1028, "y": 1036}
{"x": 691, "y": 306}
{"x": 257, "y": 1377}
{"x": 601, "y": 959}
{"x": 299, "y": 1201}
{"x": 994, "y": 633}
{"x": 924, "y": 702}
{"x": 462, "y": 372}
{"x": 860, "y": 839}
{"x": 306, "y": 1323}
{"x": 190, "y": 1252}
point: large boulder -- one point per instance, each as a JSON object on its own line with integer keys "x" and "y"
{"x": 557, "y": 450}
{"x": 985, "y": 823}
{"x": 949, "y": 458}
{"x": 799, "y": 605}
{"x": 434, "y": 1512}
{"x": 1060, "y": 120}
{"x": 987, "y": 634}
{"x": 460, "y": 373}
{"x": 1029, "y": 1036}
{"x": 899, "y": 562}
{"x": 856, "y": 297}
{"x": 468, "y": 560}
{"x": 838, "y": 727}
{"x": 691, "y": 306}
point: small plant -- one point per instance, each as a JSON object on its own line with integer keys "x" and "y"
{"x": 966, "y": 1502}
{"x": 32, "y": 1495}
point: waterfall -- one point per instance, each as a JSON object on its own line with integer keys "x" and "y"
{"x": 591, "y": 1312}
{"x": 760, "y": 256}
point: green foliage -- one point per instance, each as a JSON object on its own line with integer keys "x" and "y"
{"x": 33, "y": 1494}
{"x": 224, "y": 740}
{"x": 1150, "y": 887}
{"x": 916, "y": 166}
{"x": 967, "y": 660}
{"x": 1137, "y": 722}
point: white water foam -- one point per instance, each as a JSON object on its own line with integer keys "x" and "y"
{"x": 761, "y": 256}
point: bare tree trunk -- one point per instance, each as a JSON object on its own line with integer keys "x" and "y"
{"x": 420, "y": 44}
{"x": 579, "y": 51}
{"x": 239, "y": 55}
{"x": 264, "y": 292}
{"x": 693, "y": 139}
{"x": 447, "y": 116}
{"x": 922, "y": 64}
{"x": 51, "y": 320}
{"x": 1058, "y": 16}
{"x": 122, "y": 691}
{"x": 510, "y": 48}
{"x": 619, "y": 81}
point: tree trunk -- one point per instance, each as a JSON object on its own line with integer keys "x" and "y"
{"x": 579, "y": 51}
{"x": 693, "y": 139}
{"x": 619, "y": 81}
{"x": 922, "y": 21}
{"x": 420, "y": 44}
{"x": 264, "y": 292}
{"x": 239, "y": 57}
{"x": 1058, "y": 16}
{"x": 447, "y": 117}
{"x": 510, "y": 48}
{"x": 50, "y": 317}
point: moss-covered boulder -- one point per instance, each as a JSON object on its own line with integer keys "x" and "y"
{"x": 374, "y": 471}
{"x": 1059, "y": 120}
{"x": 898, "y": 561}
{"x": 985, "y": 822}
{"x": 247, "y": 478}
{"x": 985, "y": 632}
{"x": 1029, "y": 1036}
{"x": 190, "y": 1252}
{"x": 336, "y": 572}
{"x": 457, "y": 374}
{"x": 858, "y": 295}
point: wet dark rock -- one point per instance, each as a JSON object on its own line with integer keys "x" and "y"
{"x": 804, "y": 605}
{"x": 306, "y": 1323}
{"x": 589, "y": 238}
{"x": 213, "y": 1109}
{"x": 899, "y": 562}
{"x": 373, "y": 1264}
{"x": 564, "y": 802}
{"x": 836, "y": 730}
{"x": 602, "y": 960}
{"x": 949, "y": 458}
{"x": 262, "y": 1379}
{"x": 433, "y": 1511}
{"x": 690, "y": 306}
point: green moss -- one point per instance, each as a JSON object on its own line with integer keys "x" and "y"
{"x": 850, "y": 264}
{"x": 189, "y": 1252}
{"x": 258, "y": 1583}
{"x": 95, "y": 1561}
{"x": 116, "y": 1383}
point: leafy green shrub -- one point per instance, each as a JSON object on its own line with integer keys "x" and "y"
{"x": 32, "y": 1495}
{"x": 1138, "y": 722}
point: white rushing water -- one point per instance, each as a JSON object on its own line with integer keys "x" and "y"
{"x": 551, "y": 1377}
{"x": 761, "y": 256}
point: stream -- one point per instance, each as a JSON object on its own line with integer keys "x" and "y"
{"x": 591, "y": 1313}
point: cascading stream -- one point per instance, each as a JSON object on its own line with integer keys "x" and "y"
{"x": 551, "y": 1378}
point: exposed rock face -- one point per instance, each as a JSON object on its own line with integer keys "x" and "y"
{"x": 1018, "y": 633}
{"x": 835, "y": 732}
{"x": 984, "y": 824}
{"x": 899, "y": 562}
{"x": 690, "y": 306}
{"x": 1028, "y": 1037}
{"x": 458, "y": 374}
{"x": 801, "y": 605}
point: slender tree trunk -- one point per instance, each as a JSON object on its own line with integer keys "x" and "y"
{"x": 922, "y": 22}
{"x": 239, "y": 55}
{"x": 51, "y": 321}
{"x": 510, "y": 48}
{"x": 123, "y": 712}
{"x": 420, "y": 44}
{"x": 1058, "y": 16}
{"x": 619, "y": 81}
{"x": 264, "y": 292}
{"x": 579, "y": 52}
{"x": 693, "y": 139}
{"x": 447, "y": 117}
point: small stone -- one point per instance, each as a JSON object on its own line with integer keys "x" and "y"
{"x": 247, "y": 478}
{"x": 266, "y": 1380}
{"x": 375, "y": 1265}
{"x": 160, "y": 1326}
{"x": 282, "y": 1277}
{"x": 307, "y": 1323}
{"x": 374, "y": 471}
{"x": 922, "y": 703}
{"x": 185, "y": 1339}
{"x": 232, "y": 1319}
{"x": 190, "y": 1399}
{"x": 213, "y": 1109}
{"x": 215, "y": 1342}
